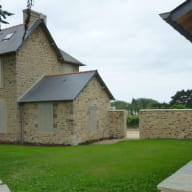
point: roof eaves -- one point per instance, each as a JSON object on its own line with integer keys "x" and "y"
{"x": 171, "y": 17}
{"x": 93, "y": 75}
{"x": 53, "y": 44}
{"x": 165, "y": 16}
{"x": 72, "y": 73}
{"x": 11, "y": 27}
{"x": 29, "y": 32}
{"x": 44, "y": 27}
{"x": 42, "y": 101}
{"x": 182, "y": 8}
{"x": 96, "y": 74}
{"x": 72, "y": 59}
{"x": 178, "y": 11}
{"x": 73, "y": 63}
{"x": 104, "y": 86}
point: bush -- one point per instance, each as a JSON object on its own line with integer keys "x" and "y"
{"x": 132, "y": 121}
{"x": 178, "y": 106}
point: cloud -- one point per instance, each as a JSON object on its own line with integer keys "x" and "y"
{"x": 136, "y": 52}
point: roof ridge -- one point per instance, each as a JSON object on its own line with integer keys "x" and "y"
{"x": 11, "y": 27}
{"x": 73, "y": 73}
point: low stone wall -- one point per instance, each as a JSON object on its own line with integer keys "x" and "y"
{"x": 117, "y": 123}
{"x": 169, "y": 123}
{"x": 181, "y": 181}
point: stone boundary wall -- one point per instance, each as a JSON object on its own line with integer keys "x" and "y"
{"x": 117, "y": 123}
{"x": 165, "y": 123}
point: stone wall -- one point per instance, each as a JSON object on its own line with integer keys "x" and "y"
{"x": 117, "y": 123}
{"x": 35, "y": 59}
{"x": 92, "y": 95}
{"x": 63, "y": 129}
{"x": 8, "y": 95}
{"x": 166, "y": 123}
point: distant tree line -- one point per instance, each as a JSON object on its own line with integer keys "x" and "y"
{"x": 181, "y": 100}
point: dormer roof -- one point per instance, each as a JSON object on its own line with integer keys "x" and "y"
{"x": 14, "y": 41}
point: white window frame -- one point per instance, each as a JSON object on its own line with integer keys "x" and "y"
{"x": 45, "y": 118}
{"x": 8, "y": 36}
{"x": 68, "y": 68}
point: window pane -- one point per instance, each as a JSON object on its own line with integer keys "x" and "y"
{"x": 45, "y": 117}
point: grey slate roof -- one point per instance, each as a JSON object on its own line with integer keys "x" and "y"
{"x": 172, "y": 16}
{"x": 69, "y": 58}
{"x": 15, "y": 42}
{"x": 62, "y": 87}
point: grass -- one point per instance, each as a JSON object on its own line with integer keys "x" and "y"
{"x": 128, "y": 166}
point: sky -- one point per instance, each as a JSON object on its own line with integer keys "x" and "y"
{"x": 137, "y": 54}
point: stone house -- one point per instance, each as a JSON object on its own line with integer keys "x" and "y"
{"x": 44, "y": 98}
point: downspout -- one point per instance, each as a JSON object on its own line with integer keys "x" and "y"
{"x": 21, "y": 123}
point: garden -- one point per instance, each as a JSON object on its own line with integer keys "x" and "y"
{"x": 127, "y": 166}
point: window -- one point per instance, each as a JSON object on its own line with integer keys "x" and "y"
{"x": 93, "y": 118}
{"x": 68, "y": 68}
{"x": 3, "y": 117}
{"x": 1, "y": 74}
{"x": 45, "y": 117}
{"x": 8, "y": 36}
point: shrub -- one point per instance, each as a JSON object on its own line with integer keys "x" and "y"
{"x": 178, "y": 106}
{"x": 132, "y": 121}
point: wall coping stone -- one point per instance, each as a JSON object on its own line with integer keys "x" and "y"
{"x": 117, "y": 110}
{"x": 153, "y": 110}
{"x": 180, "y": 181}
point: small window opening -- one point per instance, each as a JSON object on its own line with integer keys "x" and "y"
{"x": 8, "y": 36}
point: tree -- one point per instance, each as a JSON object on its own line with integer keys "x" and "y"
{"x": 120, "y": 104}
{"x": 161, "y": 106}
{"x": 3, "y": 16}
{"x": 182, "y": 98}
{"x": 141, "y": 103}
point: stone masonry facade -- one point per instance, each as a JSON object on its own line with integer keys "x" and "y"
{"x": 171, "y": 123}
{"x": 21, "y": 71}
{"x": 117, "y": 123}
{"x": 8, "y": 95}
{"x": 70, "y": 119}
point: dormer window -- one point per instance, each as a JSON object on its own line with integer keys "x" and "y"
{"x": 8, "y": 36}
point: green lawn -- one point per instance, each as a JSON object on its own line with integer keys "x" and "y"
{"x": 128, "y": 166}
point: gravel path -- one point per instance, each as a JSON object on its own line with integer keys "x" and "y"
{"x": 131, "y": 134}
{"x": 3, "y": 187}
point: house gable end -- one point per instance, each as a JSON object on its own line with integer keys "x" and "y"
{"x": 102, "y": 84}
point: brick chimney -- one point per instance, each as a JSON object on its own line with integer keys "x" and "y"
{"x": 34, "y": 16}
